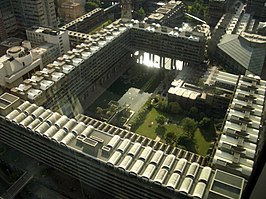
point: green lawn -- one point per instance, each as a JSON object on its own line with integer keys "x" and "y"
{"x": 147, "y": 128}
{"x": 200, "y": 144}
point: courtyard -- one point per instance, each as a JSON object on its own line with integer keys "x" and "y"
{"x": 127, "y": 103}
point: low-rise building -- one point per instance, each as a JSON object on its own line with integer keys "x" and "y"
{"x": 86, "y": 22}
{"x": 41, "y": 35}
{"x": 8, "y": 43}
{"x": 215, "y": 94}
{"x": 18, "y": 64}
{"x": 242, "y": 53}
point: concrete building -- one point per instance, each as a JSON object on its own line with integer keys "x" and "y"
{"x": 185, "y": 94}
{"x": 69, "y": 11}
{"x": 34, "y": 13}
{"x": 18, "y": 15}
{"x": 169, "y": 14}
{"x": 40, "y": 123}
{"x": 41, "y": 35}
{"x": 86, "y": 22}
{"x": 262, "y": 28}
{"x": 8, "y": 43}
{"x": 90, "y": 59}
{"x": 258, "y": 8}
{"x": 243, "y": 53}
{"x": 237, "y": 148}
{"x": 112, "y": 164}
{"x": 18, "y": 64}
{"x": 214, "y": 96}
{"x": 8, "y": 25}
{"x": 236, "y": 45}
{"x": 216, "y": 10}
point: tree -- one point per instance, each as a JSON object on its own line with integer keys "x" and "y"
{"x": 160, "y": 130}
{"x": 198, "y": 9}
{"x": 170, "y": 138}
{"x": 160, "y": 120}
{"x": 141, "y": 13}
{"x": 174, "y": 107}
{"x": 205, "y": 122}
{"x": 91, "y": 5}
{"x": 193, "y": 112}
{"x": 162, "y": 104}
{"x": 189, "y": 126}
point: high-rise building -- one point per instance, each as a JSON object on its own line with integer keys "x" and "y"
{"x": 126, "y": 14}
{"x": 31, "y": 13}
{"x": 69, "y": 11}
{"x": 258, "y": 8}
{"x": 7, "y": 20}
{"x": 18, "y": 15}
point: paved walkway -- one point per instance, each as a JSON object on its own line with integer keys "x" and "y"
{"x": 17, "y": 186}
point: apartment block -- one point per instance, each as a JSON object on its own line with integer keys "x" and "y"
{"x": 69, "y": 11}
{"x": 107, "y": 162}
{"x": 169, "y": 14}
{"x": 8, "y": 24}
{"x": 236, "y": 150}
{"x": 86, "y": 22}
{"x": 102, "y": 57}
{"x": 34, "y": 13}
{"x": 258, "y": 8}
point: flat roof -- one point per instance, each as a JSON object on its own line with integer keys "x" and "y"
{"x": 123, "y": 154}
{"x": 7, "y": 99}
{"x": 226, "y": 185}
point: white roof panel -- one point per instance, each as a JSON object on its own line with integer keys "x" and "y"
{"x": 134, "y": 149}
{"x": 199, "y": 190}
{"x": 186, "y": 185}
{"x": 160, "y": 176}
{"x": 145, "y": 153}
{"x": 137, "y": 167}
{"x": 124, "y": 145}
{"x": 157, "y": 157}
{"x": 126, "y": 162}
{"x": 173, "y": 180}
{"x": 114, "y": 141}
{"x": 149, "y": 171}
{"x": 168, "y": 162}
{"x": 205, "y": 174}
{"x": 180, "y": 166}
{"x": 193, "y": 169}
{"x": 114, "y": 158}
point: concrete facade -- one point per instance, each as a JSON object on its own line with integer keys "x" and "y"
{"x": 69, "y": 11}
{"x": 237, "y": 148}
{"x": 40, "y": 35}
{"x": 107, "y": 162}
{"x": 18, "y": 64}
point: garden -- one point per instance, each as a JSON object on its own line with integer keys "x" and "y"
{"x": 169, "y": 123}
